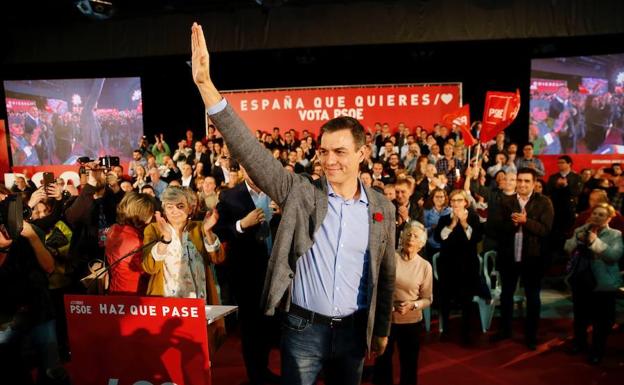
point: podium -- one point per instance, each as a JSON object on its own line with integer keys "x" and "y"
{"x": 216, "y": 312}
{"x": 124, "y": 340}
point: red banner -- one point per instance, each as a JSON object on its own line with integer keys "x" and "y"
{"x": 547, "y": 85}
{"x": 461, "y": 118}
{"x": 131, "y": 340}
{"x": 308, "y": 108}
{"x": 501, "y": 108}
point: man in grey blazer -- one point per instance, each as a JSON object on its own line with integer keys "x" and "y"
{"x": 332, "y": 266}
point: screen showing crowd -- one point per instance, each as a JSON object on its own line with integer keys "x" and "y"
{"x": 53, "y": 122}
{"x": 577, "y": 105}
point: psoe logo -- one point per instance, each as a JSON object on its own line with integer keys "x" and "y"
{"x": 496, "y": 113}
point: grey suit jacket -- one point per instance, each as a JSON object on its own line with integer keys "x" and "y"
{"x": 304, "y": 206}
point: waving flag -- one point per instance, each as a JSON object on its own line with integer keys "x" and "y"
{"x": 501, "y": 108}
{"x": 461, "y": 118}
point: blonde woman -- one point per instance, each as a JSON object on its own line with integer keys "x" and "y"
{"x": 459, "y": 277}
{"x": 180, "y": 264}
{"x": 134, "y": 212}
{"x": 412, "y": 294}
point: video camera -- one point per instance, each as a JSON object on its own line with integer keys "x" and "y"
{"x": 104, "y": 163}
{"x": 12, "y": 214}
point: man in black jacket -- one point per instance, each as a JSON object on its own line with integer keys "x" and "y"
{"x": 524, "y": 223}
{"x": 563, "y": 188}
{"x": 244, "y": 217}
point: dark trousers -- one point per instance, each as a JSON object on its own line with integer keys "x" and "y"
{"x": 257, "y": 335}
{"x": 447, "y": 298}
{"x": 531, "y": 277}
{"x": 407, "y": 339}
{"x": 597, "y": 309}
{"x": 308, "y": 348}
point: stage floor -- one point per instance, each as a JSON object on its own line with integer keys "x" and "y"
{"x": 484, "y": 363}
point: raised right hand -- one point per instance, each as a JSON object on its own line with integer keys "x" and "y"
{"x": 200, "y": 60}
{"x": 163, "y": 226}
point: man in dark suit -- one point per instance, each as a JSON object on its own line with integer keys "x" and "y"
{"x": 563, "y": 188}
{"x": 524, "y": 224}
{"x": 406, "y": 211}
{"x": 559, "y": 102}
{"x": 244, "y": 215}
{"x": 198, "y": 155}
{"x": 221, "y": 170}
{"x": 332, "y": 267}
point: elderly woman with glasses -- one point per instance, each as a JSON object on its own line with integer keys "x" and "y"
{"x": 412, "y": 293}
{"x": 180, "y": 263}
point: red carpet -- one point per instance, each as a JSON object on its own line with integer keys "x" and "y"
{"x": 485, "y": 363}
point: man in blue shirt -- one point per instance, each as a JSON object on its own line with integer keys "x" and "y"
{"x": 332, "y": 265}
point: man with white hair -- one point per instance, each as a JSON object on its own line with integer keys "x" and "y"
{"x": 158, "y": 184}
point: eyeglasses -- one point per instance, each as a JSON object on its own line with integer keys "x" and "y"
{"x": 457, "y": 200}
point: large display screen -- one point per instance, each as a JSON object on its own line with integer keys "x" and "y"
{"x": 577, "y": 105}
{"x": 53, "y": 122}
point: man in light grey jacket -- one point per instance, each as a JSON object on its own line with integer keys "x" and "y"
{"x": 332, "y": 266}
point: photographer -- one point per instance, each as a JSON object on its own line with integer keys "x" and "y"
{"x": 595, "y": 249}
{"x": 90, "y": 216}
{"x": 26, "y": 310}
{"x": 46, "y": 205}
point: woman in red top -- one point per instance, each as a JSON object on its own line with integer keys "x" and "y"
{"x": 134, "y": 212}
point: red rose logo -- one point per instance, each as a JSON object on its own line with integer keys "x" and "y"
{"x": 378, "y": 217}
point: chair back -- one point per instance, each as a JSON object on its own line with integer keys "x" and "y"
{"x": 434, "y": 263}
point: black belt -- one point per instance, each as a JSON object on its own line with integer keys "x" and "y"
{"x": 320, "y": 319}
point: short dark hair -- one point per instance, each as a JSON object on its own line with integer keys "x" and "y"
{"x": 528, "y": 144}
{"x": 527, "y": 170}
{"x": 346, "y": 123}
{"x": 147, "y": 187}
{"x": 567, "y": 159}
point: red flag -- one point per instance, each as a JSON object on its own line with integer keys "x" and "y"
{"x": 461, "y": 118}
{"x": 501, "y": 108}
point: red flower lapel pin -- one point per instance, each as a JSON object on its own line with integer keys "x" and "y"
{"x": 378, "y": 217}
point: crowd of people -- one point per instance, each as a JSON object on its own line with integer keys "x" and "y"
{"x": 575, "y": 121}
{"x": 46, "y": 137}
{"x": 200, "y": 210}
{"x": 219, "y": 214}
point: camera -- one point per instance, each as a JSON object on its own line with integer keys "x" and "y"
{"x": 103, "y": 163}
{"x": 12, "y": 214}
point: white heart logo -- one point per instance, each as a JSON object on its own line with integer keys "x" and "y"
{"x": 446, "y": 98}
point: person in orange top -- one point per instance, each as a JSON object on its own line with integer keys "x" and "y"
{"x": 134, "y": 212}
